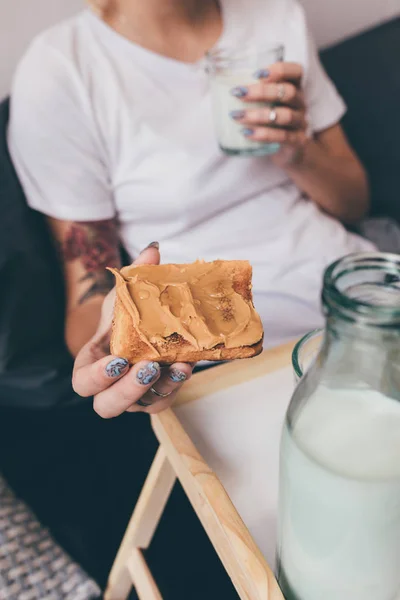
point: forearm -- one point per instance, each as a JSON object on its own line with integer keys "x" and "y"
{"x": 81, "y": 324}
{"x": 85, "y": 249}
{"x": 338, "y": 184}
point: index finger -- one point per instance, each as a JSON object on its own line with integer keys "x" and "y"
{"x": 283, "y": 71}
{"x": 91, "y": 377}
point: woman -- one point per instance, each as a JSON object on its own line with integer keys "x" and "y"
{"x": 112, "y": 136}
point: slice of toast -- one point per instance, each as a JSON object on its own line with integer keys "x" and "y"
{"x": 185, "y": 313}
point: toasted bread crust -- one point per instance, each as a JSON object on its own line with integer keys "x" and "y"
{"x": 127, "y": 343}
{"x": 176, "y": 352}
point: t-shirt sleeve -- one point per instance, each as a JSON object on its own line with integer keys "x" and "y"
{"x": 54, "y": 142}
{"x": 325, "y": 106}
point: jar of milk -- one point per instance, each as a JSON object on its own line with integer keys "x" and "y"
{"x": 229, "y": 69}
{"x": 339, "y": 521}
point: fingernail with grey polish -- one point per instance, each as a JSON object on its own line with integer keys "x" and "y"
{"x": 153, "y": 245}
{"x": 148, "y": 374}
{"x": 274, "y": 148}
{"x": 177, "y": 376}
{"x": 247, "y": 132}
{"x": 237, "y": 114}
{"x": 239, "y": 92}
{"x": 116, "y": 367}
{"x": 261, "y": 74}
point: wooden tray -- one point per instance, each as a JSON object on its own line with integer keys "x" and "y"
{"x": 234, "y": 416}
{"x": 221, "y": 440}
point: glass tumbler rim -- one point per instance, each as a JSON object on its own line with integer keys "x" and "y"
{"x": 224, "y": 56}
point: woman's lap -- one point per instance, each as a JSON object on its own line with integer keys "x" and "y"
{"x": 82, "y": 475}
{"x": 79, "y": 474}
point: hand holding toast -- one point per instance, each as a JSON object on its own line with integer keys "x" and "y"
{"x": 116, "y": 386}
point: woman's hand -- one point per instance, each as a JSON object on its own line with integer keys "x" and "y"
{"x": 284, "y": 122}
{"x": 116, "y": 386}
{"x": 324, "y": 167}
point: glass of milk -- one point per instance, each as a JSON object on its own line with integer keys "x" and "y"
{"x": 339, "y": 506}
{"x": 229, "y": 69}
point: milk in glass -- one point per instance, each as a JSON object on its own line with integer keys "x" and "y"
{"x": 339, "y": 505}
{"x": 340, "y": 498}
{"x": 237, "y": 68}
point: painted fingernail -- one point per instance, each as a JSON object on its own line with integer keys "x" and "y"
{"x": 153, "y": 245}
{"x": 274, "y": 148}
{"x": 237, "y": 114}
{"x": 247, "y": 132}
{"x": 116, "y": 367}
{"x": 177, "y": 376}
{"x": 146, "y": 375}
{"x": 239, "y": 92}
{"x": 261, "y": 74}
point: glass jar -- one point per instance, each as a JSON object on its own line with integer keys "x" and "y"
{"x": 234, "y": 69}
{"x": 339, "y": 507}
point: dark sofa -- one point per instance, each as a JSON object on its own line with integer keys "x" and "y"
{"x": 35, "y": 367}
{"x": 366, "y": 71}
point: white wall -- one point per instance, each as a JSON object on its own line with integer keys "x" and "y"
{"x": 20, "y": 20}
{"x": 331, "y": 20}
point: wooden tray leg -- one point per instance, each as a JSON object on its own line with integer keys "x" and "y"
{"x": 141, "y": 528}
{"x": 146, "y": 587}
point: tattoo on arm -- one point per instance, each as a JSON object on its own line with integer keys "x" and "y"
{"x": 96, "y": 245}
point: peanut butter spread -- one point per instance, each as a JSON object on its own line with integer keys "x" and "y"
{"x": 198, "y": 302}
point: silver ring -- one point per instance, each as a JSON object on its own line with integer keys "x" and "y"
{"x": 159, "y": 394}
{"x": 281, "y": 92}
{"x": 272, "y": 116}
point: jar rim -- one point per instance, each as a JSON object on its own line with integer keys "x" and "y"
{"x": 220, "y": 54}
{"x": 337, "y": 301}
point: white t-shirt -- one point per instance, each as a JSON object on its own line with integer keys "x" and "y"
{"x": 101, "y": 127}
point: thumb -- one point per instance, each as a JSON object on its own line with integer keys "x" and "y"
{"x": 149, "y": 256}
